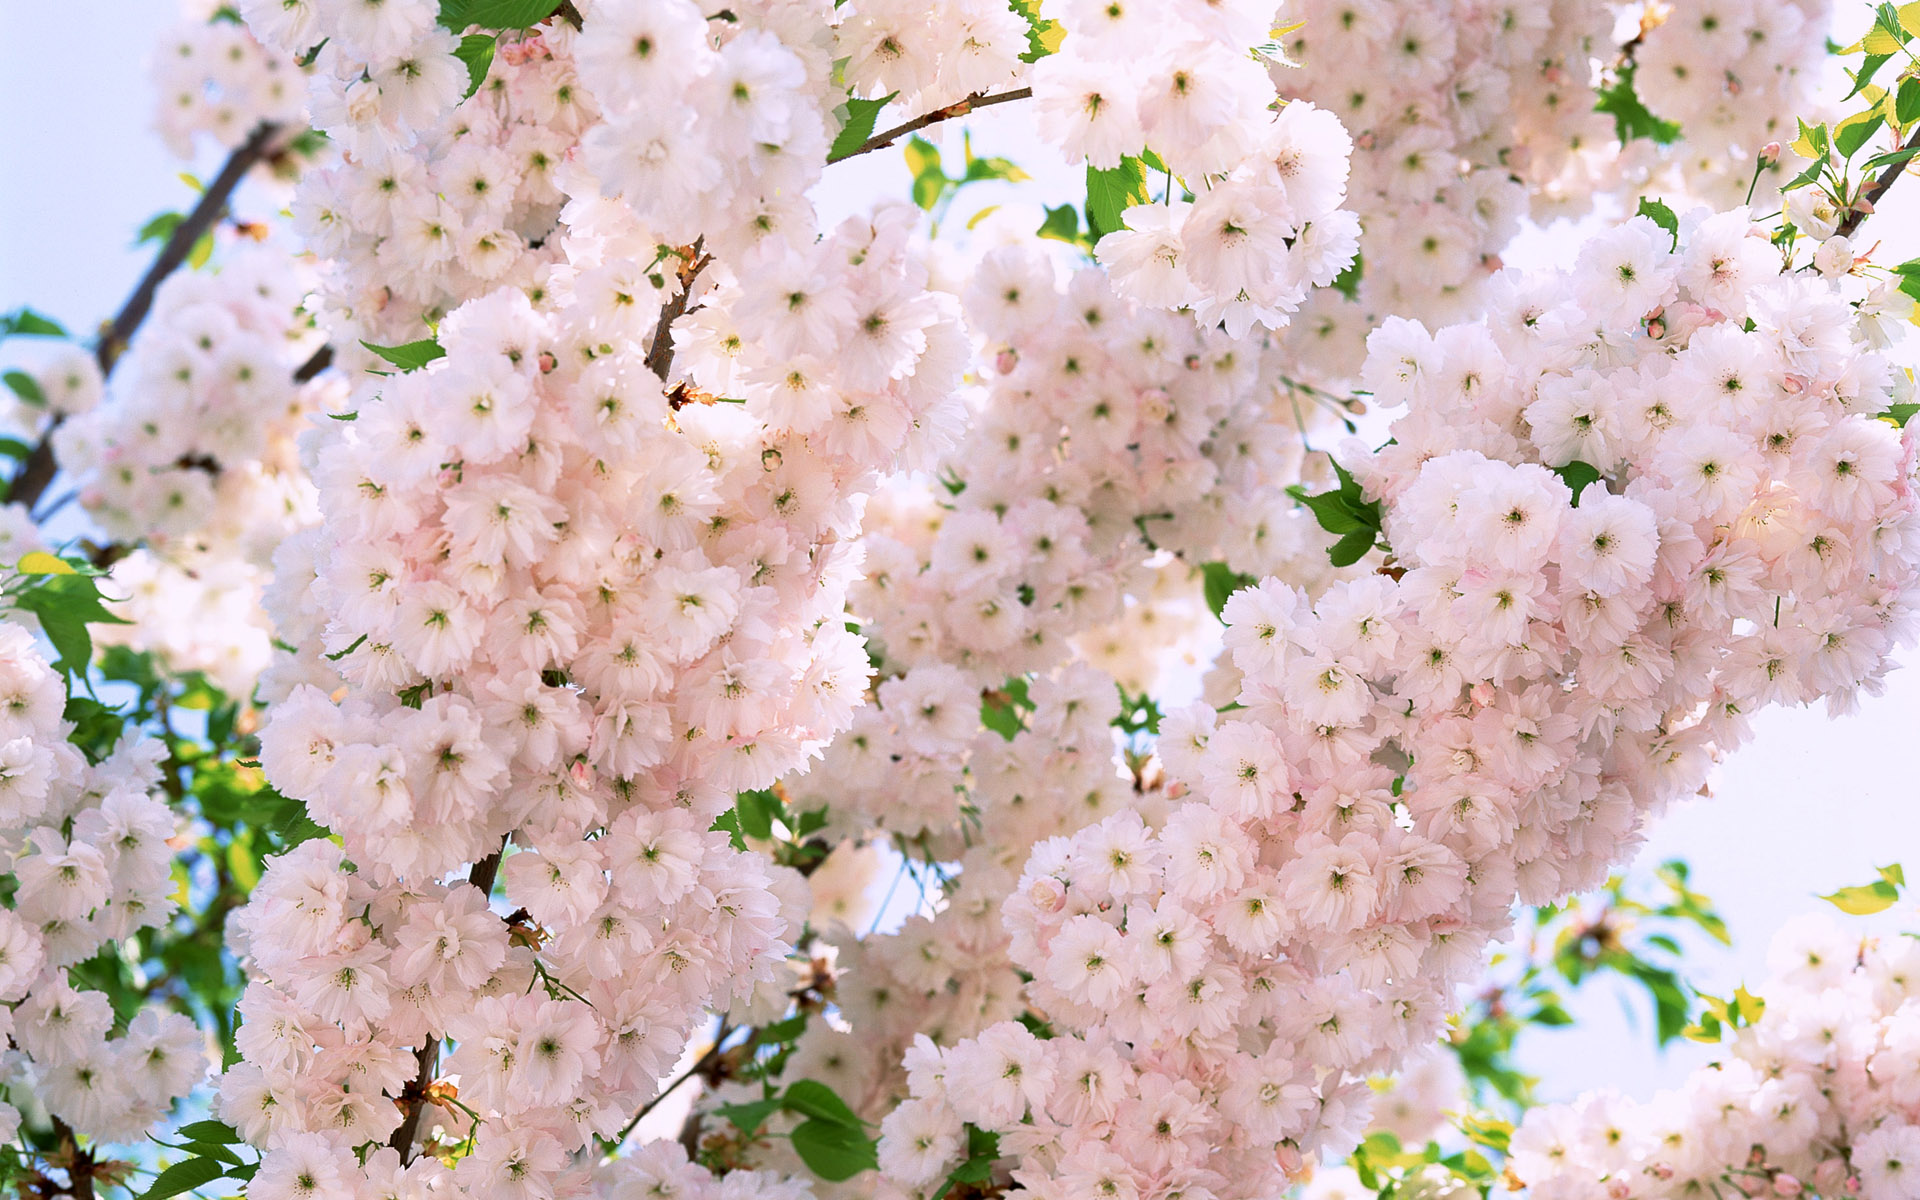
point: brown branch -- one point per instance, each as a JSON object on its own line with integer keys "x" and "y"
{"x": 660, "y": 350}
{"x": 320, "y": 361}
{"x": 413, "y": 1098}
{"x": 37, "y": 472}
{"x": 213, "y": 202}
{"x": 958, "y": 108}
{"x": 1865, "y": 202}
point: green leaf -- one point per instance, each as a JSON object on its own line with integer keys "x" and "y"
{"x": 1110, "y": 192}
{"x": 811, "y": 1098}
{"x": 1062, "y": 225}
{"x": 25, "y": 322}
{"x": 160, "y": 228}
{"x": 1894, "y": 875}
{"x": 476, "y": 51}
{"x": 1906, "y": 101}
{"x": 1657, "y": 212}
{"x": 202, "y": 252}
{"x": 410, "y": 357}
{"x": 749, "y": 1117}
{"x": 1578, "y": 475}
{"x": 1631, "y": 118}
{"x": 757, "y": 811}
{"x": 1350, "y": 549}
{"x": 861, "y": 116}
{"x": 66, "y": 604}
{"x": 1852, "y": 133}
{"x": 1865, "y": 900}
{"x": 1347, "y": 282}
{"x": 979, "y": 169}
{"x": 26, "y": 387}
{"x": 832, "y": 1151}
{"x": 1220, "y": 582}
{"x": 1889, "y": 158}
{"x": 218, "y": 1133}
{"x": 495, "y": 14}
{"x": 1869, "y": 67}
{"x": 184, "y": 1176}
{"x": 1043, "y": 35}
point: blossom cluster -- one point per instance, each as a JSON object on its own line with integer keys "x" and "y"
{"x": 1732, "y": 74}
{"x": 85, "y": 848}
{"x": 213, "y": 78}
{"x": 1105, "y": 430}
{"x": 1488, "y": 717}
{"x": 1817, "y": 1095}
{"x": 578, "y": 609}
{"x": 191, "y": 463}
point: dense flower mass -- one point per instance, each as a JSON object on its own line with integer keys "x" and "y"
{"x": 592, "y": 575}
{"x": 85, "y": 850}
{"x": 1816, "y": 1095}
{"x": 1490, "y": 717}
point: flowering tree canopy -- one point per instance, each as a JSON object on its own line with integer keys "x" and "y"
{"x": 486, "y": 641}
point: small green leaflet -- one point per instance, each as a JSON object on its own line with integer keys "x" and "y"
{"x": 411, "y": 356}
{"x": 1661, "y": 215}
{"x": 861, "y": 117}
{"x": 1870, "y": 898}
{"x": 1000, "y": 709}
{"x": 1220, "y": 582}
{"x": 983, "y": 1147}
{"x": 1577, "y": 475}
{"x": 1110, "y": 192}
{"x": 1631, "y": 118}
{"x": 1346, "y": 513}
{"x": 66, "y": 605}
{"x": 25, "y": 322}
{"x": 476, "y": 51}
{"x": 811, "y": 1098}
{"x": 1062, "y": 225}
{"x": 26, "y": 387}
{"x": 929, "y": 177}
{"x": 1347, "y": 282}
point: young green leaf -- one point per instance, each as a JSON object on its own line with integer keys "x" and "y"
{"x": 1219, "y": 582}
{"x": 1110, "y": 192}
{"x": 811, "y": 1098}
{"x": 834, "y": 1151}
{"x": 861, "y": 117}
{"x": 184, "y": 1176}
{"x": 476, "y": 51}
{"x": 1657, "y": 212}
{"x": 411, "y": 356}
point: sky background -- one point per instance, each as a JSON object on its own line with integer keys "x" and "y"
{"x": 1810, "y": 805}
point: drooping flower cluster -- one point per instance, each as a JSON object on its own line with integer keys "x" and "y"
{"x": 191, "y": 464}
{"x": 1819, "y": 1095}
{"x": 85, "y": 848}
{"x": 1488, "y": 718}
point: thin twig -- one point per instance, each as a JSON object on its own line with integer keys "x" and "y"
{"x": 958, "y": 108}
{"x": 700, "y": 1066}
{"x": 414, "y": 1098}
{"x": 1865, "y": 203}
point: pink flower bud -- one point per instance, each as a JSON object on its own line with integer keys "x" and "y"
{"x": 1786, "y": 1185}
{"x": 1048, "y": 894}
{"x": 1005, "y": 361}
{"x": 1769, "y": 154}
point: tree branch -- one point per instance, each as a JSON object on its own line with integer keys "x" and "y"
{"x": 1865, "y": 202}
{"x": 958, "y": 108}
{"x": 37, "y": 472}
{"x": 320, "y": 361}
{"x": 660, "y": 350}
{"x": 213, "y": 202}
{"x": 414, "y": 1097}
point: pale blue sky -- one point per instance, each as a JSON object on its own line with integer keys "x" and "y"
{"x": 1810, "y": 806}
